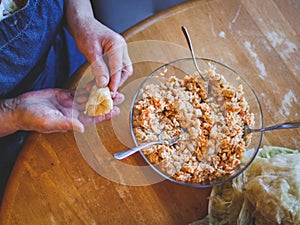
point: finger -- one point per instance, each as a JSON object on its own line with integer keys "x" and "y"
{"x": 118, "y": 99}
{"x": 114, "y": 112}
{"x": 100, "y": 72}
{"x": 127, "y": 69}
{"x": 127, "y": 64}
{"x": 64, "y": 98}
{"x": 77, "y": 125}
{"x": 124, "y": 76}
{"x": 89, "y": 85}
{"x": 80, "y": 91}
{"x": 81, "y": 107}
{"x": 70, "y": 124}
{"x": 61, "y": 124}
{"x": 80, "y": 99}
{"x": 116, "y": 66}
{"x": 87, "y": 120}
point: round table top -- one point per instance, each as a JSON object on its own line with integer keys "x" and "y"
{"x": 71, "y": 178}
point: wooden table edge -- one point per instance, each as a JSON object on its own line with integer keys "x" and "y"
{"x": 127, "y": 34}
{"x": 13, "y": 183}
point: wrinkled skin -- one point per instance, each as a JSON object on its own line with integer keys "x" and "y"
{"x": 57, "y": 110}
{"x": 98, "y": 41}
{"x": 54, "y": 110}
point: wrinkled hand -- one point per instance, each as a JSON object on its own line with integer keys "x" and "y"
{"x": 57, "y": 110}
{"x": 106, "y": 51}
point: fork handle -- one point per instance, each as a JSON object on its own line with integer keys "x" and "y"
{"x": 128, "y": 152}
{"x": 283, "y": 126}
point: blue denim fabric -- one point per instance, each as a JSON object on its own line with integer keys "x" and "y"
{"x": 25, "y": 40}
{"x": 36, "y": 52}
{"x": 31, "y": 41}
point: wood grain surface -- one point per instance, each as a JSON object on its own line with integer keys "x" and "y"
{"x": 68, "y": 178}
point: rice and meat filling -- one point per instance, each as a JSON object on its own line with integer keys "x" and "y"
{"x": 212, "y": 138}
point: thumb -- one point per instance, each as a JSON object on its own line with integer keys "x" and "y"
{"x": 101, "y": 72}
{"x": 77, "y": 125}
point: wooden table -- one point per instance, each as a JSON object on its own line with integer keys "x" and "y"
{"x": 67, "y": 178}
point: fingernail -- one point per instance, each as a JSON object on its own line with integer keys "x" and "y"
{"x": 114, "y": 93}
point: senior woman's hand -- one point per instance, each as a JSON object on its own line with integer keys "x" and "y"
{"x": 50, "y": 110}
{"x": 105, "y": 49}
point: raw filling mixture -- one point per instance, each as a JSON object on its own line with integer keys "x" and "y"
{"x": 210, "y": 122}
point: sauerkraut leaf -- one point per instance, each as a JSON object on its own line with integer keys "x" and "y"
{"x": 268, "y": 192}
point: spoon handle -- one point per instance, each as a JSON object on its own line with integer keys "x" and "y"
{"x": 128, "y": 152}
{"x": 188, "y": 39}
{"x": 288, "y": 125}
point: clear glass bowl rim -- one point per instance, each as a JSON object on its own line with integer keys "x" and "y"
{"x": 207, "y": 184}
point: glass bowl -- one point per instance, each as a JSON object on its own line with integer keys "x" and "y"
{"x": 179, "y": 69}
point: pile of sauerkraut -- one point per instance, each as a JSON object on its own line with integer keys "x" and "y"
{"x": 268, "y": 192}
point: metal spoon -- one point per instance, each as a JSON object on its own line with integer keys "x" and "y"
{"x": 126, "y": 153}
{"x": 287, "y": 125}
{"x": 189, "y": 41}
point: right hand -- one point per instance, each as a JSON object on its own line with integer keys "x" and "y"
{"x": 97, "y": 42}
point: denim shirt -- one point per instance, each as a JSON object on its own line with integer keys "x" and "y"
{"x": 26, "y": 38}
{"x": 36, "y": 52}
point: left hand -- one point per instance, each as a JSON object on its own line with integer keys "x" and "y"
{"x": 56, "y": 110}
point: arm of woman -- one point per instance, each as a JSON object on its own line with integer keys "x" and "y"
{"x": 36, "y": 111}
{"x": 97, "y": 43}
{"x": 49, "y": 110}
{"x": 7, "y": 118}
